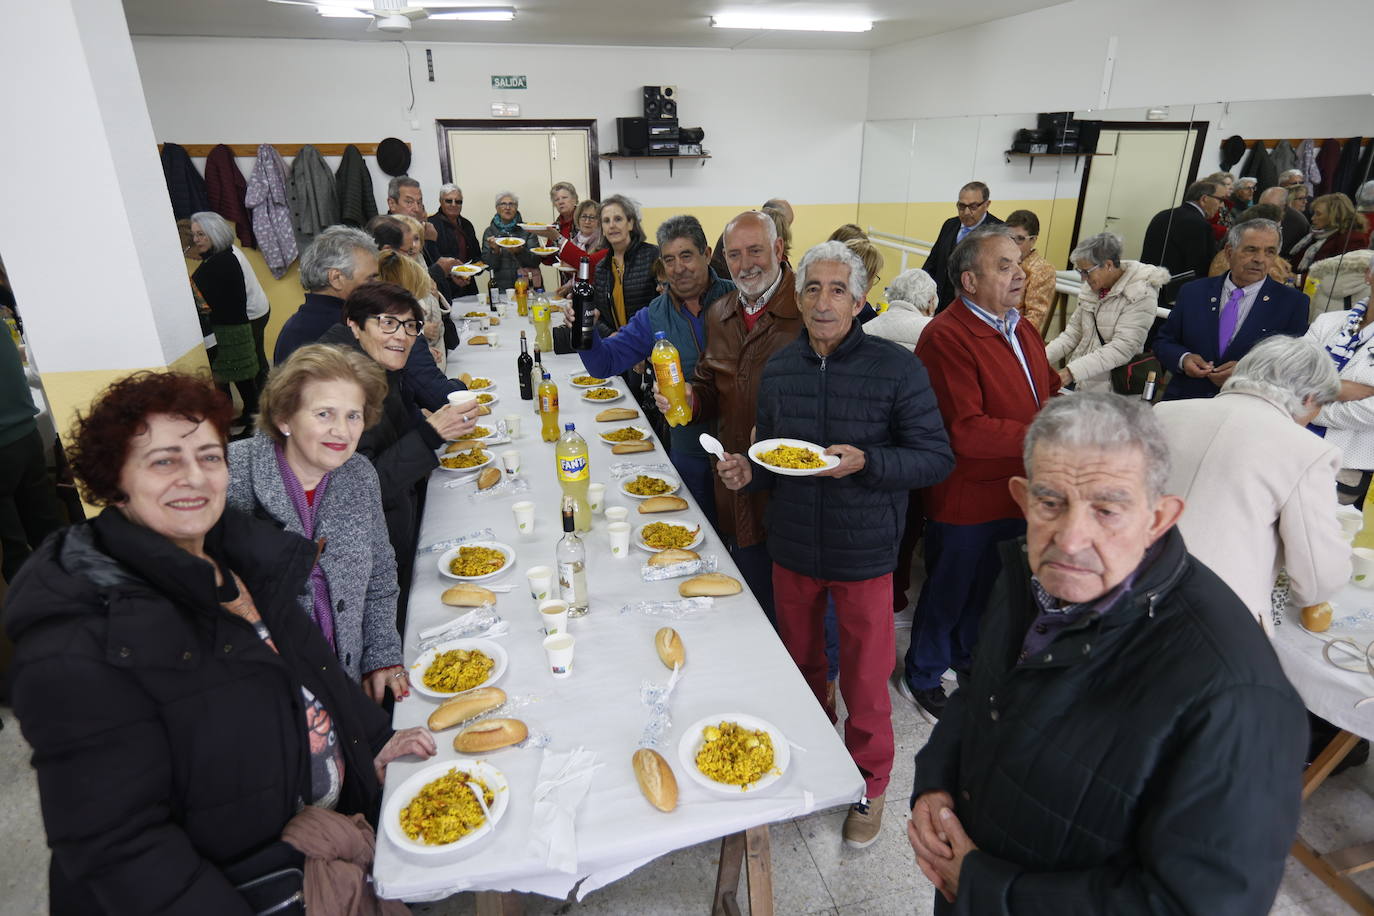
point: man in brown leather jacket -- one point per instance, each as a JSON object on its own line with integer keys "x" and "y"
{"x": 744, "y": 329}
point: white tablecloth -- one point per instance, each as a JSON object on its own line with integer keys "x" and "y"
{"x": 735, "y": 663}
{"x": 1327, "y": 690}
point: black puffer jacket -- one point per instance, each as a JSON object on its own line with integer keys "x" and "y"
{"x": 874, "y": 395}
{"x": 640, "y": 286}
{"x": 170, "y": 741}
{"x": 402, "y": 449}
{"x": 1148, "y": 762}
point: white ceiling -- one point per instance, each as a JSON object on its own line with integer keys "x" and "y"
{"x": 654, "y": 23}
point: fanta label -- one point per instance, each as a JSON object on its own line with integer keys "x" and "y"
{"x": 668, "y": 373}
{"x": 572, "y": 469}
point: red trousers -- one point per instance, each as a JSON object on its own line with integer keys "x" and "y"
{"x": 867, "y": 649}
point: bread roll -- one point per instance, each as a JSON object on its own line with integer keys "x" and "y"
{"x": 715, "y": 584}
{"x": 669, "y": 646}
{"x": 494, "y": 321}
{"x": 483, "y": 410}
{"x": 465, "y": 706}
{"x": 468, "y": 595}
{"x": 477, "y": 340}
{"x": 489, "y": 478}
{"x": 616, "y": 413}
{"x": 673, "y": 555}
{"x": 662, "y": 504}
{"x": 465, "y": 378}
{"x": 1317, "y": 617}
{"x": 490, "y": 735}
{"x": 629, "y": 448}
{"x": 656, "y": 779}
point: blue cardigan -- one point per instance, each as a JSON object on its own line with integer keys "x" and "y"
{"x": 631, "y": 344}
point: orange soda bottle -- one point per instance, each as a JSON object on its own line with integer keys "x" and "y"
{"x": 548, "y": 409}
{"x": 668, "y": 370}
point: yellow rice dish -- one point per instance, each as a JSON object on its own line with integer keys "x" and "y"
{"x": 601, "y": 394}
{"x": 476, "y": 561}
{"x": 625, "y": 434}
{"x": 445, "y": 810}
{"x": 661, "y": 535}
{"x": 469, "y": 459}
{"x": 472, "y": 314}
{"x": 789, "y": 456}
{"x": 457, "y": 670}
{"x": 478, "y": 432}
{"x": 479, "y": 383}
{"x": 644, "y": 485}
{"x": 734, "y": 755}
{"x": 485, "y": 398}
{"x": 588, "y": 380}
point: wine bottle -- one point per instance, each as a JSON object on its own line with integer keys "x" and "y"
{"x": 524, "y": 365}
{"x": 572, "y": 564}
{"x": 584, "y": 309}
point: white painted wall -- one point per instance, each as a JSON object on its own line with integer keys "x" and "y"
{"x": 777, "y": 122}
{"x": 1169, "y": 52}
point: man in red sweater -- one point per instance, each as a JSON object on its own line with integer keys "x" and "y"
{"x": 990, "y": 376}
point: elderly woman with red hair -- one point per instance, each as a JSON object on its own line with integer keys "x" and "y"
{"x": 180, "y": 706}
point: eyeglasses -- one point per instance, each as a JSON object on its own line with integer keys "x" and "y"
{"x": 506, "y": 203}
{"x": 963, "y": 207}
{"x": 458, "y": 202}
{"x": 1087, "y": 273}
{"x": 1018, "y": 239}
{"x": 389, "y": 324}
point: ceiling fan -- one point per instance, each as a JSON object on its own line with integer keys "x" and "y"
{"x": 397, "y": 15}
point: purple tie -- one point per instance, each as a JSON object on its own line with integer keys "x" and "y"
{"x": 1226, "y": 328}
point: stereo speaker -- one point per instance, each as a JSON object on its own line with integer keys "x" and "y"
{"x": 660, "y": 102}
{"x": 633, "y": 135}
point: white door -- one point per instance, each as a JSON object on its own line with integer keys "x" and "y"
{"x": 1144, "y": 172}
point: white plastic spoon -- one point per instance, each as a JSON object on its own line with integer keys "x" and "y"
{"x": 712, "y": 445}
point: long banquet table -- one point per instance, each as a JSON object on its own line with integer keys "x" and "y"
{"x": 735, "y": 664}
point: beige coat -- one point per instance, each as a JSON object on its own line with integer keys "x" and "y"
{"x": 1123, "y": 318}
{"x": 1261, "y": 495}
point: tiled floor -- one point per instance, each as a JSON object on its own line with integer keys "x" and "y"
{"x": 813, "y": 872}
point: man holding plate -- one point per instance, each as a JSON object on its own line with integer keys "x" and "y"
{"x": 835, "y": 533}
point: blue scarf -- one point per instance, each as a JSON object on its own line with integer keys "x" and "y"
{"x": 1343, "y": 348}
{"x": 506, "y": 228}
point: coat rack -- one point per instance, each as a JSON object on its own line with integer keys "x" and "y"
{"x": 1271, "y": 143}
{"x": 287, "y": 150}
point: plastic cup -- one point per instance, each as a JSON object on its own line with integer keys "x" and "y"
{"x": 617, "y": 514}
{"x": 493, "y": 339}
{"x": 1362, "y": 561}
{"x": 524, "y": 523}
{"x": 541, "y": 582}
{"x": 559, "y": 650}
{"x": 463, "y": 400}
{"x": 620, "y": 539}
{"x": 554, "y": 613}
{"x": 510, "y": 460}
{"x": 596, "y": 497}
{"x": 513, "y": 425}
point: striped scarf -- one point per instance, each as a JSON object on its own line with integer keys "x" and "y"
{"x": 305, "y": 511}
{"x": 1343, "y": 347}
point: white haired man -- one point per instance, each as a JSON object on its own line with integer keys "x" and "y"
{"x": 835, "y": 535}
{"x": 1126, "y": 742}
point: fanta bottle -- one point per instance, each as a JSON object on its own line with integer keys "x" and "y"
{"x": 574, "y": 474}
{"x": 539, "y": 314}
{"x": 522, "y": 298}
{"x": 548, "y": 409}
{"x": 668, "y": 370}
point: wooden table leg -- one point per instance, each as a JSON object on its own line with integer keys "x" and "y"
{"x": 759, "y": 862}
{"x": 498, "y": 903}
{"x": 727, "y": 876}
{"x": 1346, "y": 889}
{"x": 1326, "y": 761}
{"x": 1332, "y": 869}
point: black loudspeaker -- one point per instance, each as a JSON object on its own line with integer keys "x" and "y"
{"x": 633, "y": 134}
{"x": 691, "y": 135}
{"x": 660, "y": 102}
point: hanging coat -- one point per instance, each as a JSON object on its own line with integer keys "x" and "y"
{"x": 1307, "y": 161}
{"x": 271, "y": 205}
{"x": 1327, "y": 160}
{"x": 184, "y": 185}
{"x": 353, "y": 184}
{"x": 1347, "y": 178}
{"x": 227, "y": 188}
{"x": 1261, "y": 168}
{"x": 1283, "y": 156}
{"x": 314, "y": 203}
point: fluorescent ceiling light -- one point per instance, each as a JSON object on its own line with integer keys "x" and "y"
{"x": 492, "y": 14}
{"x": 791, "y": 22}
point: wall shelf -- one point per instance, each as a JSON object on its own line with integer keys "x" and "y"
{"x": 1031, "y": 157}
{"x": 612, "y": 158}
{"x": 287, "y": 150}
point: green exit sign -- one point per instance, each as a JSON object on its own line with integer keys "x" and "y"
{"x": 509, "y": 82}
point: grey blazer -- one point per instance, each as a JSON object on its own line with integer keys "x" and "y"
{"x": 357, "y": 560}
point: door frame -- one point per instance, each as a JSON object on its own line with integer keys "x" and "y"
{"x": 1199, "y": 126}
{"x": 443, "y": 125}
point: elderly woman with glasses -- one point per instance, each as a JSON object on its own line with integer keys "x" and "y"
{"x": 510, "y": 261}
{"x": 1037, "y": 293}
{"x": 237, "y": 308}
{"x": 1116, "y": 307}
{"x": 383, "y": 320}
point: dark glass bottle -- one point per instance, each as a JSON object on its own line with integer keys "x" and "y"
{"x": 584, "y": 309}
{"x": 524, "y": 365}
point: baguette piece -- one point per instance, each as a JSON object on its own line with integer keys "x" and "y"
{"x": 715, "y": 584}
{"x": 483, "y": 410}
{"x": 629, "y": 448}
{"x": 673, "y": 555}
{"x": 616, "y": 413}
{"x": 489, "y": 478}
{"x": 662, "y": 504}
{"x": 670, "y": 648}
{"x": 465, "y": 706}
{"x": 468, "y": 595}
{"x": 490, "y": 735}
{"x": 477, "y": 340}
{"x": 465, "y": 378}
{"x": 656, "y": 779}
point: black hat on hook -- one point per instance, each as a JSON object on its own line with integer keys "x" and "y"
{"x": 393, "y": 157}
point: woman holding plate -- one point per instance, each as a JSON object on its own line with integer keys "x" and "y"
{"x": 510, "y": 261}
{"x": 184, "y": 714}
{"x": 302, "y": 472}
